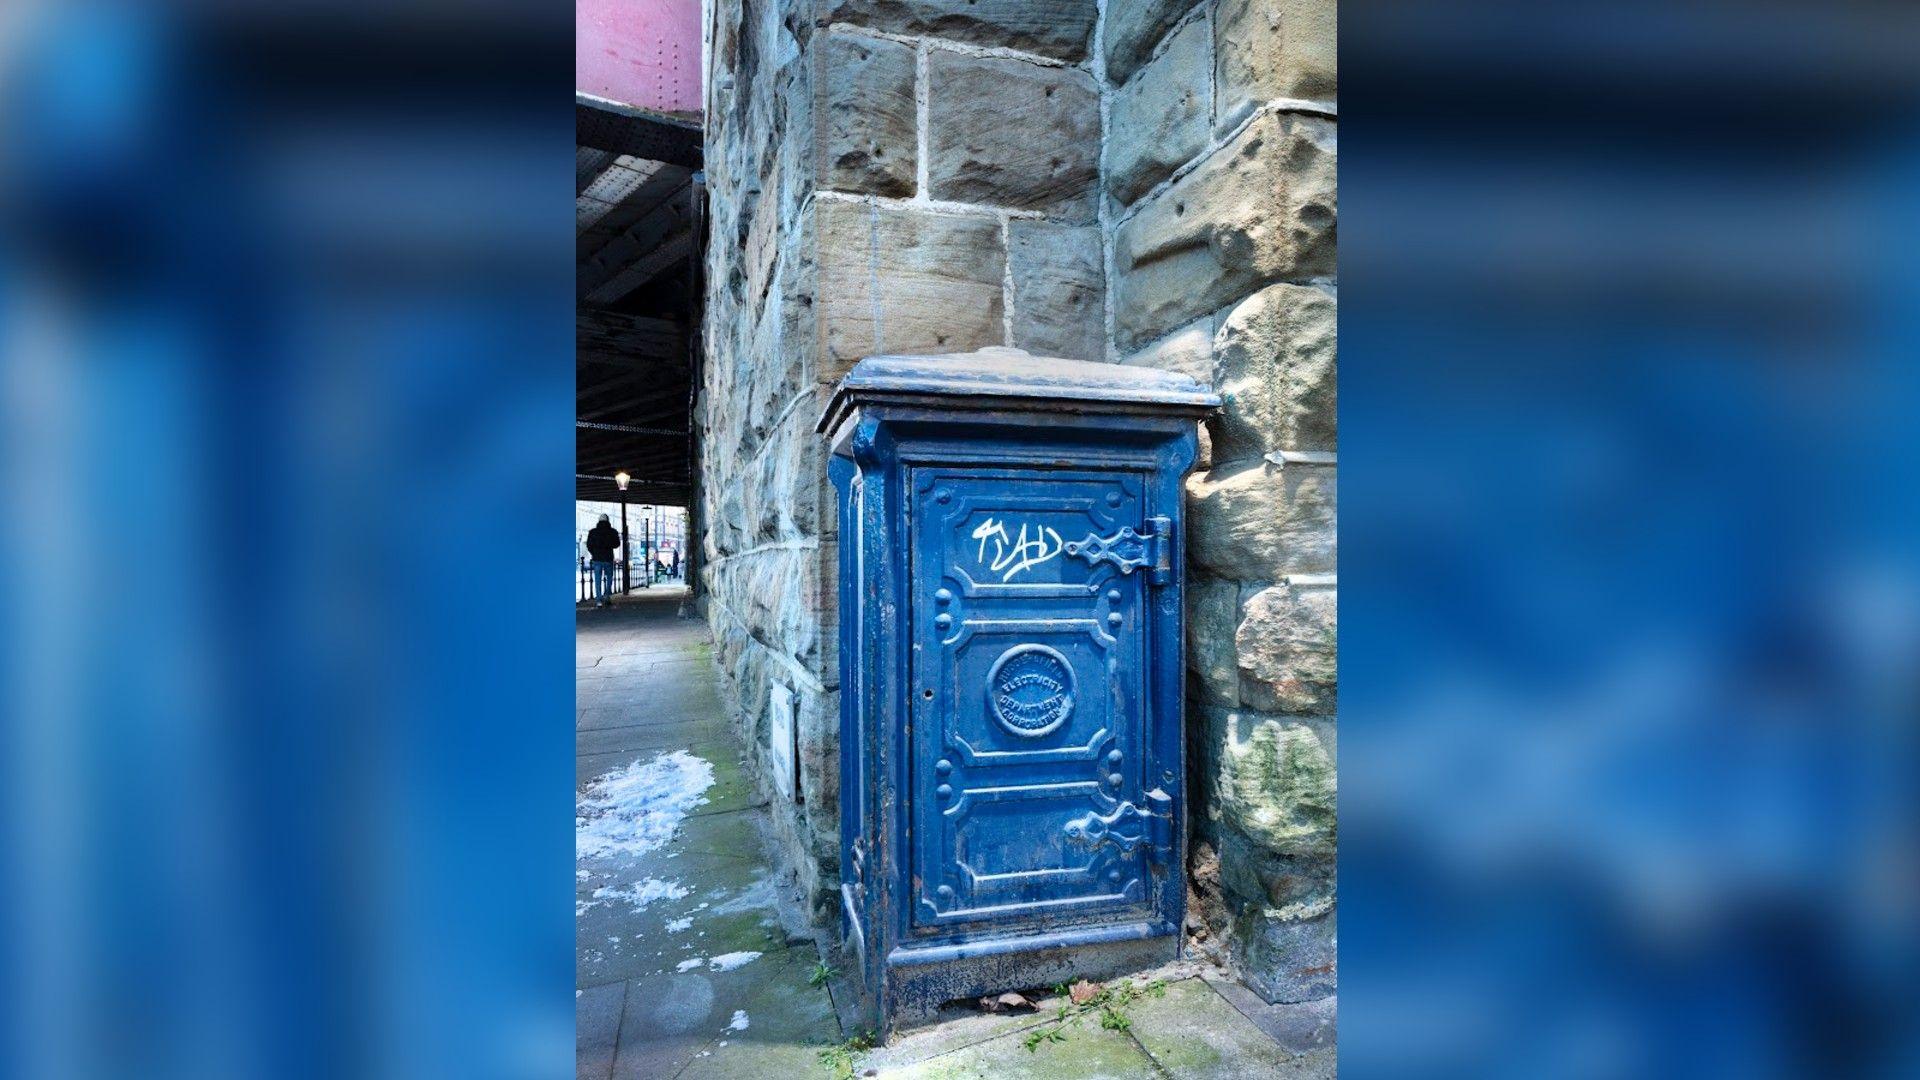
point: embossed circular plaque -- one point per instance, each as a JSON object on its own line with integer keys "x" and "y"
{"x": 1030, "y": 690}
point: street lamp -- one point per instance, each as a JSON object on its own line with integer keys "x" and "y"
{"x": 621, "y": 479}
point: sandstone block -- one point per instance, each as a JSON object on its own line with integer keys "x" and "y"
{"x": 1277, "y": 788}
{"x": 1010, "y": 133}
{"x": 1059, "y": 289}
{"x": 1160, "y": 120}
{"x": 866, "y": 122}
{"x": 1134, "y": 27}
{"x": 1266, "y": 49}
{"x": 1279, "y": 886}
{"x": 1287, "y": 646}
{"x": 1262, "y": 522}
{"x": 1288, "y": 960}
{"x": 1259, "y": 209}
{"x": 1061, "y": 29}
{"x": 1275, "y": 356}
{"x": 1213, "y": 616}
{"x": 898, "y": 280}
{"x": 1189, "y": 351}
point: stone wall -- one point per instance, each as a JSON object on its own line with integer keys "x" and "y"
{"x": 900, "y": 176}
{"x": 1137, "y": 181}
{"x": 1219, "y": 171}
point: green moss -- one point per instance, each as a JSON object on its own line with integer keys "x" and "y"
{"x": 1185, "y": 1057}
{"x": 1279, "y": 788}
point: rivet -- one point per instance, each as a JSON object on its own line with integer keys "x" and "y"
{"x": 1113, "y": 876}
{"x": 943, "y": 766}
{"x": 943, "y": 596}
{"x": 945, "y": 892}
{"x": 1113, "y": 498}
{"x": 943, "y": 495}
{"x": 943, "y": 620}
{"x": 1113, "y": 596}
{"x": 1115, "y": 758}
{"x": 945, "y": 791}
{"x": 1114, "y": 618}
{"x": 1114, "y": 779}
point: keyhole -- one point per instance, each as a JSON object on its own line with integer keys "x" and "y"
{"x": 928, "y": 694}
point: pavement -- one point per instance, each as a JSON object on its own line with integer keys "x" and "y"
{"x": 690, "y": 961}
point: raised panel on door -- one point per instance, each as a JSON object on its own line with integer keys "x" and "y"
{"x": 1026, "y": 755}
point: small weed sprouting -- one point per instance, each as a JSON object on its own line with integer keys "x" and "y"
{"x": 839, "y": 1059}
{"x": 1043, "y": 1034}
{"x": 822, "y": 971}
{"x": 1111, "y": 1002}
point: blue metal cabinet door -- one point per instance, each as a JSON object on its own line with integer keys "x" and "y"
{"x": 1028, "y": 800}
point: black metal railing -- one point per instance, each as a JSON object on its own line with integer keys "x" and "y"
{"x": 642, "y": 574}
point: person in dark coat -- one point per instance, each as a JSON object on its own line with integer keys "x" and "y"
{"x": 601, "y": 542}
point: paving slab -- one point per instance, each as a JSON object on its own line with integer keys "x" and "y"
{"x": 649, "y": 706}
{"x": 596, "y": 1029}
{"x": 1087, "y": 1051}
{"x": 1301, "y": 1027}
{"x": 1191, "y": 1031}
{"x": 640, "y": 738}
{"x": 671, "y": 1019}
{"x": 787, "y": 1022}
{"x": 721, "y": 898}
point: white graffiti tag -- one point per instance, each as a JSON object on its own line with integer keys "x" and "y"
{"x": 1021, "y": 553}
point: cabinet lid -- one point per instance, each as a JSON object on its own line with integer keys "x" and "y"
{"x": 1012, "y": 379}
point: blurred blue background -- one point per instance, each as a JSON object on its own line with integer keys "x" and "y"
{"x": 1630, "y": 605}
{"x": 285, "y": 439}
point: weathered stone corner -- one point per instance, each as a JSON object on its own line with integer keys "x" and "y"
{"x": 1258, "y": 209}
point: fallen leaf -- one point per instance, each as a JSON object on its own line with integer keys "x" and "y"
{"x": 1083, "y": 991}
{"x": 1012, "y": 1000}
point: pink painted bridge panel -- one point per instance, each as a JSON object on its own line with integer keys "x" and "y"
{"x": 644, "y": 53}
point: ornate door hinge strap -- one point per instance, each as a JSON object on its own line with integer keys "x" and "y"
{"x": 1129, "y": 550}
{"x": 1128, "y": 826}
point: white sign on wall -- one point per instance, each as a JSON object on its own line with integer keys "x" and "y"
{"x": 780, "y": 738}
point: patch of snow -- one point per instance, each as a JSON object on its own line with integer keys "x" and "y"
{"x": 739, "y": 1021}
{"x": 689, "y": 965}
{"x": 674, "y": 926}
{"x": 729, "y": 961}
{"x": 634, "y": 809}
{"x": 639, "y": 894}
